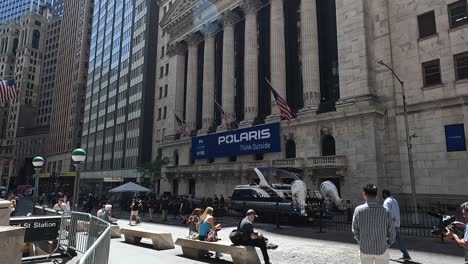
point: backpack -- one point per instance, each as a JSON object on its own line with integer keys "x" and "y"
{"x": 236, "y": 236}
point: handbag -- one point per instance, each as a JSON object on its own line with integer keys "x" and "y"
{"x": 212, "y": 236}
{"x": 236, "y": 236}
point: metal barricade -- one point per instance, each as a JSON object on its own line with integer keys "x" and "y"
{"x": 85, "y": 234}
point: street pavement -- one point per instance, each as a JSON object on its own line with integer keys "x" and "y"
{"x": 296, "y": 245}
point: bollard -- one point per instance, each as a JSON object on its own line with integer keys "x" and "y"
{"x": 5, "y": 212}
{"x": 277, "y": 216}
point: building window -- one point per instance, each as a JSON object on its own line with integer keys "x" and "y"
{"x": 167, "y": 69}
{"x": 458, "y": 14}
{"x": 431, "y": 73}
{"x": 290, "y": 149}
{"x": 427, "y": 24}
{"x": 165, "y": 90}
{"x": 36, "y": 39}
{"x": 160, "y": 92}
{"x": 165, "y": 112}
{"x": 161, "y": 72}
{"x": 159, "y": 113}
{"x": 162, "y": 51}
{"x": 328, "y": 146}
{"x": 461, "y": 65}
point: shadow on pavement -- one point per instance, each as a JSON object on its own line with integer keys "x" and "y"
{"x": 207, "y": 260}
{"x": 405, "y": 261}
{"x": 422, "y": 244}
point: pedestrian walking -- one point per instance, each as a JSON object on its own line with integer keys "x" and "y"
{"x": 221, "y": 202}
{"x": 216, "y": 202}
{"x": 392, "y": 206}
{"x": 249, "y": 237}
{"x": 184, "y": 210}
{"x": 373, "y": 229}
{"x": 164, "y": 206}
{"x": 135, "y": 208}
{"x": 151, "y": 207}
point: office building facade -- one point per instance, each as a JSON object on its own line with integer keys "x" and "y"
{"x": 30, "y": 47}
{"x": 67, "y": 111}
{"x": 13, "y": 9}
{"x": 118, "y": 114}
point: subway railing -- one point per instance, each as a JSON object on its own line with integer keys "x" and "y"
{"x": 82, "y": 234}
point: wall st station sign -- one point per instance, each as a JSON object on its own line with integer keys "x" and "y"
{"x": 38, "y": 228}
{"x": 246, "y": 141}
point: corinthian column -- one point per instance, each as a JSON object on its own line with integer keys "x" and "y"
{"x": 192, "y": 83}
{"x": 228, "y": 88}
{"x": 277, "y": 52}
{"x": 251, "y": 61}
{"x": 208, "y": 80}
{"x": 310, "y": 56}
{"x": 177, "y": 66}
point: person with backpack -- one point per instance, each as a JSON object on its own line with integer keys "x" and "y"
{"x": 249, "y": 237}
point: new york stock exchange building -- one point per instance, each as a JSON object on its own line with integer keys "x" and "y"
{"x": 216, "y": 118}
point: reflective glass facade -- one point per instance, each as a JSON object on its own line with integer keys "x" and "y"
{"x": 13, "y": 9}
{"x": 120, "y": 87}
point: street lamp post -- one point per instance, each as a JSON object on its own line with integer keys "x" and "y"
{"x": 78, "y": 156}
{"x": 408, "y": 139}
{"x": 37, "y": 162}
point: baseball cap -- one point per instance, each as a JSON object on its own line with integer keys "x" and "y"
{"x": 251, "y": 212}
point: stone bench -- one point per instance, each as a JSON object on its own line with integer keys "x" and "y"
{"x": 197, "y": 249}
{"x": 115, "y": 231}
{"x": 161, "y": 240}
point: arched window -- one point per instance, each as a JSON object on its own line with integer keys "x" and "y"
{"x": 290, "y": 149}
{"x": 176, "y": 157}
{"x": 36, "y": 37}
{"x": 328, "y": 146}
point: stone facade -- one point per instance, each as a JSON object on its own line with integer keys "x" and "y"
{"x": 29, "y": 55}
{"x": 368, "y": 125}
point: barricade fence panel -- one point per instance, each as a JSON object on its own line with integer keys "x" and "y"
{"x": 414, "y": 222}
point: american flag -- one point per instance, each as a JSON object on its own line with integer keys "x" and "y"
{"x": 7, "y": 90}
{"x": 181, "y": 124}
{"x": 285, "y": 110}
{"x": 228, "y": 118}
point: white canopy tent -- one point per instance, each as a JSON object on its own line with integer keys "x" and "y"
{"x": 129, "y": 187}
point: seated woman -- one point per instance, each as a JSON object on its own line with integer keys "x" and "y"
{"x": 106, "y": 216}
{"x": 207, "y": 228}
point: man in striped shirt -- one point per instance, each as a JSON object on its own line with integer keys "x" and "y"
{"x": 373, "y": 229}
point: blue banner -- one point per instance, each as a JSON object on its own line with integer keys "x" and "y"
{"x": 455, "y": 137}
{"x": 246, "y": 141}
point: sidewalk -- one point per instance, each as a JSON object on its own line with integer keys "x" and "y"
{"x": 296, "y": 245}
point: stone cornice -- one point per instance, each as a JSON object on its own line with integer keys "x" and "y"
{"x": 177, "y": 49}
{"x": 187, "y": 16}
{"x": 194, "y": 39}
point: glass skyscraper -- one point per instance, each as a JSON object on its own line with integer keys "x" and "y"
{"x": 118, "y": 114}
{"x": 13, "y": 9}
